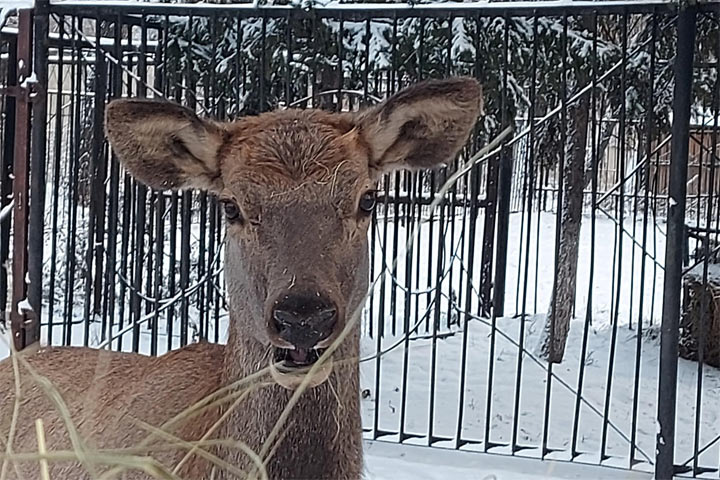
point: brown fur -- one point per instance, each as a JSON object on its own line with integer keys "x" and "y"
{"x": 105, "y": 393}
{"x": 296, "y": 177}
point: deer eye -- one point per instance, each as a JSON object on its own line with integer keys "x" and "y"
{"x": 367, "y": 202}
{"x": 232, "y": 212}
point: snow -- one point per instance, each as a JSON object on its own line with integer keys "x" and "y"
{"x": 5, "y": 211}
{"x": 461, "y": 41}
{"x": 702, "y": 116}
{"x": 16, "y": 4}
{"x": 389, "y": 405}
{"x": 519, "y": 6}
{"x": 698, "y": 271}
{"x": 379, "y": 46}
{"x": 30, "y": 80}
{"x": 23, "y": 305}
{"x": 385, "y": 461}
{"x": 9, "y": 6}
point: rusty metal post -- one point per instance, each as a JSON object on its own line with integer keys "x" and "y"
{"x": 20, "y": 181}
{"x": 8, "y": 153}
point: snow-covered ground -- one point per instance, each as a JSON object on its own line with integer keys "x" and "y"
{"x": 421, "y": 378}
{"x": 385, "y": 461}
{"x": 389, "y": 405}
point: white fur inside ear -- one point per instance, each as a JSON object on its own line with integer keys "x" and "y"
{"x": 431, "y": 113}
{"x": 422, "y": 127}
{"x": 201, "y": 145}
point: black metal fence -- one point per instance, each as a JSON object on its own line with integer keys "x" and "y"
{"x": 450, "y": 340}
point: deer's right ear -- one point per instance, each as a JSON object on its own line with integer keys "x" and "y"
{"x": 422, "y": 126}
{"x": 164, "y": 145}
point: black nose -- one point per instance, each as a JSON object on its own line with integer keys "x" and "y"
{"x": 304, "y": 320}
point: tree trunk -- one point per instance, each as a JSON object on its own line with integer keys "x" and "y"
{"x": 557, "y": 325}
{"x": 606, "y": 133}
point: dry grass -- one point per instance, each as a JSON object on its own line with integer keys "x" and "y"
{"x": 119, "y": 461}
{"x": 115, "y": 462}
{"x": 42, "y": 449}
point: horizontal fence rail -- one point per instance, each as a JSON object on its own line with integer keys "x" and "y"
{"x": 453, "y": 341}
{"x": 384, "y": 10}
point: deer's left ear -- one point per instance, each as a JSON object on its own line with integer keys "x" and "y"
{"x": 422, "y": 126}
{"x": 164, "y": 145}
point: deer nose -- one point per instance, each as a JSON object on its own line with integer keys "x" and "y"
{"x": 304, "y": 320}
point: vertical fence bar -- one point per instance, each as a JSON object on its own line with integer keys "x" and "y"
{"x": 114, "y": 181}
{"x": 649, "y": 136}
{"x": 473, "y": 196}
{"x": 682, "y": 99}
{"x": 716, "y": 137}
{"x": 505, "y": 175}
{"x": 175, "y": 91}
{"x": 38, "y": 147}
{"x": 186, "y": 202}
{"x": 74, "y": 127}
{"x": 488, "y": 244}
{"x": 96, "y": 235}
{"x": 99, "y": 172}
{"x": 528, "y": 235}
{"x": 593, "y": 236}
{"x": 382, "y": 294}
{"x": 408, "y": 218}
{"x": 141, "y": 213}
{"x": 57, "y": 156}
{"x": 617, "y": 284}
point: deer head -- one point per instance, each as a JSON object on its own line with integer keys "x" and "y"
{"x": 297, "y": 188}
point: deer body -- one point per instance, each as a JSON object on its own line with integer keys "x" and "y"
{"x": 118, "y": 389}
{"x": 297, "y": 187}
{"x": 104, "y": 392}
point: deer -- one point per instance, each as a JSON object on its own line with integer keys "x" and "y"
{"x": 298, "y": 189}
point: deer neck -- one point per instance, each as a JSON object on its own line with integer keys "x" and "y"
{"x": 322, "y": 436}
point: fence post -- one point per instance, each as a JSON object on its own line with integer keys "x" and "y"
{"x": 503, "y": 225}
{"x": 504, "y": 188}
{"x": 20, "y": 181}
{"x": 38, "y": 148}
{"x": 667, "y": 389}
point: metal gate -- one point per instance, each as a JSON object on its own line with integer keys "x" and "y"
{"x": 112, "y": 264}
{"x": 94, "y": 58}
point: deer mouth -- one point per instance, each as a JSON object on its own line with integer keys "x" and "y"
{"x": 290, "y": 367}
{"x": 298, "y": 357}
